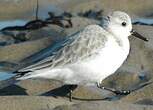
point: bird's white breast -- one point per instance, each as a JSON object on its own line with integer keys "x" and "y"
{"x": 93, "y": 69}
{"x": 108, "y": 59}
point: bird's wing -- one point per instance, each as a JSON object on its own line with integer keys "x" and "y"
{"x": 75, "y": 48}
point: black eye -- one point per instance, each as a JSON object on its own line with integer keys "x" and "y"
{"x": 124, "y": 24}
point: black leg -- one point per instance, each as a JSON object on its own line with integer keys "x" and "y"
{"x": 71, "y": 89}
{"x": 70, "y": 95}
{"x": 117, "y": 92}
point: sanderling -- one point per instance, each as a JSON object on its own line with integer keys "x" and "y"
{"x": 88, "y": 56}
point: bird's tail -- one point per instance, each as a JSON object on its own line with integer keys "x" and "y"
{"x": 14, "y": 79}
{"x": 8, "y": 67}
{"x": 7, "y": 82}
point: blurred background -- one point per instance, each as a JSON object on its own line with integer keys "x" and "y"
{"x": 25, "y": 9}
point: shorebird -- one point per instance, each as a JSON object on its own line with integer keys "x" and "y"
{"x": 88, "y": 56}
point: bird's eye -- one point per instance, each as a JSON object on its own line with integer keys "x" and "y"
{"x": 124, "y": 24}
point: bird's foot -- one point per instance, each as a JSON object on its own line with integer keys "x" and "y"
{"x": 121, "y": 92}
{"x": 117, "y": 92}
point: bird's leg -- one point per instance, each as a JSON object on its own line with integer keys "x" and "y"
{"x": 71, "y": 88}
{"x": 70, "y": 95}
{"x": 117, "y": 92}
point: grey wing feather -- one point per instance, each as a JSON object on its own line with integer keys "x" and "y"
{"x": 75, "y": 48}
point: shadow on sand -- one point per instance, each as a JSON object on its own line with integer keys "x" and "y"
{"x": 62, "y": 91}
{"x": 13, "y": 90}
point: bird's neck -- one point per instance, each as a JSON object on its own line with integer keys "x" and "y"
{"x": 124, "y": 43}
{"x": 121, "y": 36}
{"x": 122, "y": 40}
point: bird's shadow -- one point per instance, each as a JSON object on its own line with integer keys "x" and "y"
{"x": 13, "y": 90}
{"x": 17, "y": 90}
{"x": 62, "y": 91}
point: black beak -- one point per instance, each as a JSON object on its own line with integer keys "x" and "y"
{"x": 136, "y": 34}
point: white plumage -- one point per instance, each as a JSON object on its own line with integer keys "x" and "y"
{"x": 89, "y": 56}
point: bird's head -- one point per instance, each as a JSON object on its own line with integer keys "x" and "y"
{"x": 119, "y": 24}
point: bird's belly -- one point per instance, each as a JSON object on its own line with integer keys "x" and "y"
{"x": 106, "y": 62}
{"x": 96, "y": 68}
{"x": 90, "y": 70}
